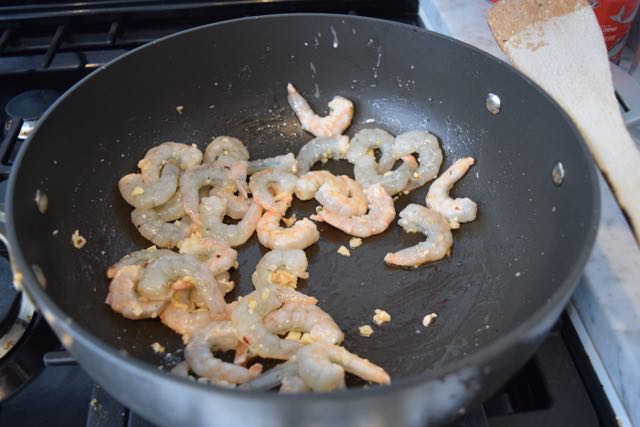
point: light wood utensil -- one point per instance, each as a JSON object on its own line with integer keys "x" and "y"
{"x": 559, "y": 45}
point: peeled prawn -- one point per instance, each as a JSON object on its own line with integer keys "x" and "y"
{"x": 347, "y": 199}
{"x": 140, "y": 258}
{"x": 273, "y": 190}
{"x": 183, "y": 155}
{"x": 247, "y": 317}
{"x": 430, "y": 155}
{"x": 161, "y": 233}
{"x": 197, "y": 177}
{"x": 281, "y": 268}
{"x": 365, "y": 142}
{"x": 212, "y": 212}
{"x": 393, "y": 182}
{"x": 123, "y": 296}
{"x": 309, "y": 183}
{"x": 321, "y": 367}
{"x": 338, "y": 120}
{"x": 455, "y": 210}
{"x": 148, "y": 195}
{"x": 321, "y": 149}
{"x": 172, "y": 209}
{"x": 182, "y": 315}
{"x": 419, "y": 219}
{"x": 159, "y": 277}
{"x": 300, "y": 235}
{"x": 217, "y": 256}
{"x": 380, "y": 215}
{"x": 306, "y": 318}
{"x": 283, "y": 163}
{"x": 224, "y": 151}
{"x": 217, "y": 336}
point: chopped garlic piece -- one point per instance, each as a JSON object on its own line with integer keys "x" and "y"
{"x": 77, "y": 240}
{"x": 306, "y": 338}
{"x": 284, "y": 278}
{"x": 355, "y": 242}
{"x": 157, "y": 347}
{"x": 265, "y": 294}
{"x": 344, "y": 251}
{"x": 137, "y": 191}
{"x": 381, "y": 317}
{"x": 365, "y": 330}
{"x": 179, "y": 109}
{"x": 429, "y": 319}
{"x": 289, "y": 221}
{"x": 293, "y": 335}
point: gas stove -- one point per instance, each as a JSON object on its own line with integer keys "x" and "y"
{"x": 45, "y": 47}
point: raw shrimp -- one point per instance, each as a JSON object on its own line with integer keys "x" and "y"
{"x": 333, "y": 196}
{"x": 212, "y": 212}
{"x": 146, "y": 196}
{"x": 273, "y": 190}
{"x": 339, "y": 118}
{"x": 172, "y": 209}
{"x": 281, "y": 268}
{"x": 309, "y": 183}
{"x": 417, "y": 218}
{"x": 321, "y": 149}
{"x": 393, "y": 181}
{"x": 455, "y": 210}
{"x": 293, "y": 384}
{"x": 247, "y": 317}
{"x": 140, "y": 258}
{"x": 217, "y": 336}
{"x": 160, "y": 275}
{"x": 366, "y": 141}
{"x": 183, "y": 155}
{"x": 224, "y": 151}
{"x": 306, "y": 318}
{"x": 161, "y": 233}
{"x": 218, "y": 257}
{"x": 380, "y": 215}
{"x": 182, "y": 315}
{"x": 300, "y": 235}
{"x": 200, "y": 176}
{"x": 321, "y": 366}
{"x": 123, "y": 296}
{"x": 284, "y": 163}
{"x": 426, "y": 145}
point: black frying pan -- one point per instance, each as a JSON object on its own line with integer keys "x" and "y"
{"x": 509, "y": 276}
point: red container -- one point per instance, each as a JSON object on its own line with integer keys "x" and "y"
{"x": 615, "y": 18}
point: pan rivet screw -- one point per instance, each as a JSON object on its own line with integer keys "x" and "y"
{"x": 557, "y": 174}
{"x": 493, "y": 103}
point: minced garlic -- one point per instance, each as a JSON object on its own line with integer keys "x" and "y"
{"x": 137, "y": 191}
{"x": 157, "y": 347}
{"x": 344, "y": 251}
{"x": 365, "y": 330}
{"x": 381, "y": 317}
{"x": 77, "y": 240}
{"x": 284, "y": 278}
{"x": 355, "y": 242}
{"x": 429, "y": 319}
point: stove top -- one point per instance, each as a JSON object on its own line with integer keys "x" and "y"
{"x": 45, "y": 47}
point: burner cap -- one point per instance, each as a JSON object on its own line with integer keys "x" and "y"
{"x": 9, "y": 297}
{"x": 30, "y": 105}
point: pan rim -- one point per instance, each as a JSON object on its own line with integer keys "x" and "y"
{"x": 476, "y": 358}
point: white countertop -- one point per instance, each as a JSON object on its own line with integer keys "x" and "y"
{"x": 606, "y": 306}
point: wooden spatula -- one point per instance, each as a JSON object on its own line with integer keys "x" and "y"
{"x": 559, "y": 45}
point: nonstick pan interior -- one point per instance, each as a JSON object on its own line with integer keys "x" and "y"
{"x": 526, "y": 241}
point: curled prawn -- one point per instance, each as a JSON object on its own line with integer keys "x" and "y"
{"x": 281, "y": 268}
{"x": 455, "y": 210}
{"x": 338, "y": 120}
{"x": 123, "y": 296}
{"x": 300, "y": 235}
{"x": 416, "y": 218}
{"x": 376, "y": 220}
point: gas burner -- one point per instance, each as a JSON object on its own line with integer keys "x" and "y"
{"x": 28, "y": 107}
